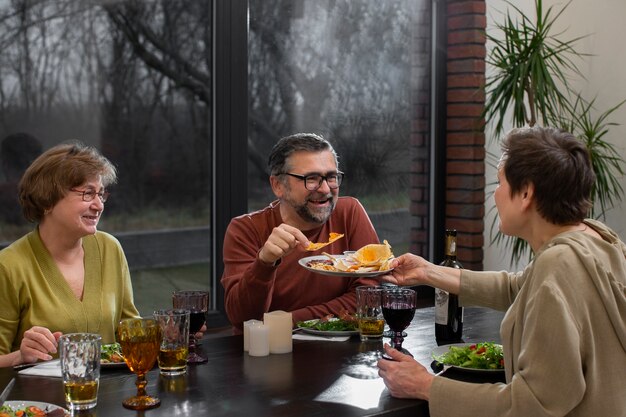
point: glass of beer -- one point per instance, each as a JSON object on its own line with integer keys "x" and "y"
{"x": 80, "y": 368}
{"x": 140, "y": 340}
{"x": 174, "y": 341}
{"x": 369, "y": 312}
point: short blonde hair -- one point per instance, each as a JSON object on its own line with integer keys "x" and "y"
{"x": 48, "y": 179}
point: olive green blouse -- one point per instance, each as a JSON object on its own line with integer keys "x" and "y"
{"x": 33, "y": 292}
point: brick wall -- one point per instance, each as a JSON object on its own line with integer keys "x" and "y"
{"x": 465, "y": 151}
{"x": 421, "y": 130}
{"x": 464, "y": 134}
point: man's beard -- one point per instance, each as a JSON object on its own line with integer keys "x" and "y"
{"x": 318, "y": 216}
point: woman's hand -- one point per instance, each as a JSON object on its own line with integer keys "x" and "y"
{"x": 38, "y": 343}
{"x": 404, "y": 376}
{"x": 408, "y": 270}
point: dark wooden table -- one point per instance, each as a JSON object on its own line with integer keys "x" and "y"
{"x": 319, "y": 378}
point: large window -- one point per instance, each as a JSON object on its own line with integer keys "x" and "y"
{"x": 132, "y": 78}
{"x": 152, "y": 83}
{"x": 357, "y": 72}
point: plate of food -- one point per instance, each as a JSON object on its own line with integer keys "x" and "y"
{"x": 332, "y": 326}
{"x": 111, "y": 356}
{"x": 369, "y": 261}
{"x": 31, "y": 408}
{"x": 471, "y": 357}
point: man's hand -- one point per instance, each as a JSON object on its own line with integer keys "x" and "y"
{"x": 38, "y": 343}
{"x": 282, "y": 241}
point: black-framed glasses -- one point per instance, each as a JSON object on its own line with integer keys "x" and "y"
{"x": 89, "y": 195}
{"x": 314, "y": 181}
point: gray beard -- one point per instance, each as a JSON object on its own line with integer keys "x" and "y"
{"x": 305, "y": 213}
{"x": 319, "y": 217}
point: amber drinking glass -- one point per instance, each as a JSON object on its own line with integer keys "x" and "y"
{"x": 140, "y": 340}
{"x": 197, "y": 302}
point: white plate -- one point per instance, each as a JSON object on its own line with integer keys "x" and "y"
{"x": 440, "y": 350}
{"x": 19, "y": 405}
{"x": 304, "y": 261}
{"x": 327, "y": 333}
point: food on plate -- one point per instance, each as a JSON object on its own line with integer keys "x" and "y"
{"x": 111, "y": 353}
{"x": 31, "y": 411}
{"x": 373, "y": 257}
{"x": 323, "y": 264}
{"x": 484, "y": 355}
{"x": 331, "y": 238}
{"x": 345, "y": 322}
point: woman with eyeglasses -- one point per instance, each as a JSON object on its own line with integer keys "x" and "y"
{"x": 262, "y": 249}
{"x": 65, "y": 276}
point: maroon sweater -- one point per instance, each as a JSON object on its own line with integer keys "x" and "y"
{"x": 252, "y": 288}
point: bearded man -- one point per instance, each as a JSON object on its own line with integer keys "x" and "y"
{"x": 262, "y": 249}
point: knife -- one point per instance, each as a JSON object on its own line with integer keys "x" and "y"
{"x": 6, "y": 391}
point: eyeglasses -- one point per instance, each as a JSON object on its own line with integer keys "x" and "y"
{"x": 89, "y": 195}
{"x": 314, "y": 181}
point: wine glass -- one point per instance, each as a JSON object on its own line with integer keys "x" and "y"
{"x": 197, "y": 302}
{"x": 398, "y": 311}
{"x": 140, "y": 340}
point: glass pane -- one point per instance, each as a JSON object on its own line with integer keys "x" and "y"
{"x": 132, "y": 78}
{"x": 357, "y": 72}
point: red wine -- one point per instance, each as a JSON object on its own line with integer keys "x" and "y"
{"x": 448, "y": 313}
{"x": 196, "y": 320}
{"x": 398, "y": 319}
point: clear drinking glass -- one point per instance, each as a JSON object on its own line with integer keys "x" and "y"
{"x": 197, "y": 302}
{"x": 174, "y": 347}
{"x": 80, "y": 368}
{"x": 369, "y": 312}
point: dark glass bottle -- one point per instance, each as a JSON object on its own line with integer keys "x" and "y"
{"x": 448, "y": 313}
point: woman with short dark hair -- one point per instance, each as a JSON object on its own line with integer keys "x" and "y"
{"x": 564, "y": 332}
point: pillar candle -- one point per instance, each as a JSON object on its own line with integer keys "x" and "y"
{"x": 259, "y": 340}
{"x": 280, "y": 327}
{"x": 246, "y": 333}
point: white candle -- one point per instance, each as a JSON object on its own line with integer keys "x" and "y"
{"x": 246, "y": 333}
{"x": 259, "y": 340}
{"x": 280, "y": 326}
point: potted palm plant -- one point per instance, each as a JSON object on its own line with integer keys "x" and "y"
{"x": 529, "y": 84}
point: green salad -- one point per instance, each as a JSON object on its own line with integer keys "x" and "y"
{"x": 111, "y": 353}
{"x": 331, "y": 325}
{"x": 484, "y": 355}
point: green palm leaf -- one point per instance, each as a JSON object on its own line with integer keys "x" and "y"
{"x": 530, "y": 82}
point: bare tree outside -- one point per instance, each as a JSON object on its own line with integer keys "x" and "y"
{"x": 340, "y": 68}
{"x": 134, "y": 79}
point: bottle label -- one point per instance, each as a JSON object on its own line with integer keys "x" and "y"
{"x": 441, "y": 306}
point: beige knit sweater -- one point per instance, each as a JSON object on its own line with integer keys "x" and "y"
{"x": 564, "y": 334}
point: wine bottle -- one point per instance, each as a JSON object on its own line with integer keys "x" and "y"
{"x": 448, "y": 313}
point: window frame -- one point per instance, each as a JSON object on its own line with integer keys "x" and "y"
{"x": 230, "y": 135}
